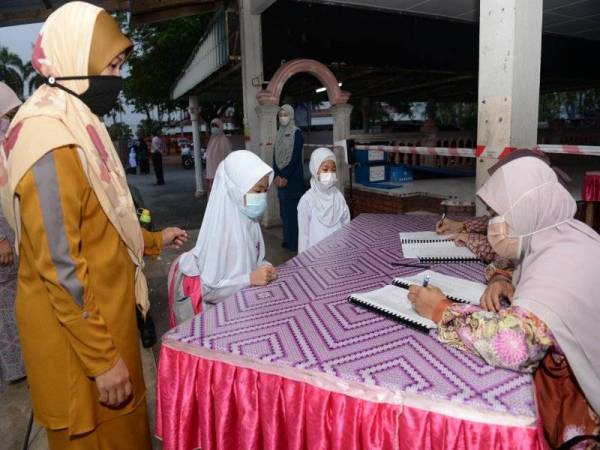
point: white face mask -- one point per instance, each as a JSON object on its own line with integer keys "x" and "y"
{"x": 327, "y": 179}
{"x": 256, "y": 204}
{"x": 284, "y": 120}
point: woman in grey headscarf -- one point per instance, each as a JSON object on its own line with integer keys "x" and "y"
{"x": 289, "y": 176}
{"x": 11, "y": 362}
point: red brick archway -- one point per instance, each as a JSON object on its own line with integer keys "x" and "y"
{"x": 270, "y": 96}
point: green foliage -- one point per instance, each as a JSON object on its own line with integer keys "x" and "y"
{"x": 572, "y": 105}
{"x": 159, "y": 55}
{"x": 12, "y": 71}
{"x": 119, "y": 131}
{"x": 147, "y": 128}
{"x": 458, "y": 115}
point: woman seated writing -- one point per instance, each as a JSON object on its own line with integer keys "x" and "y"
{"x": 230, "y": 250}
{"x": 550, "y": 328}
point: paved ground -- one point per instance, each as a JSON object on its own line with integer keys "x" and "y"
{"x": 173, "y": 204}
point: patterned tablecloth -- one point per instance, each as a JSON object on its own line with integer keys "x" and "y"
{"x": 303, "y": 328}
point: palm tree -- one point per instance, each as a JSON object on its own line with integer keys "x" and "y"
{"x": 32, "y": 79}
{"x": 11, "y": 70}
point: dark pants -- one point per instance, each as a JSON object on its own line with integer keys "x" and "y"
{"x": 158, "y": 168}
{"x": 288, "y": 210}
{"x": 144, "y": 166}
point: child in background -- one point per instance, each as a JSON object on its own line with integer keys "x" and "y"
{"x": 132, "y": 163}
{"x": 322, "y": 209}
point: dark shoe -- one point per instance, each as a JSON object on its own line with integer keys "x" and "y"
{"x": 284, "y": 245}
{"x": 147, "y": 330}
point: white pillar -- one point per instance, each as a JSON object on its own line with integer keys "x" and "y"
{"x": 195, "y": 116}
{"x": 341, "y": 130}
{"x": 510, "y": 41}
{"x": 267, "y": 119}
{"x": 252, "y": 71}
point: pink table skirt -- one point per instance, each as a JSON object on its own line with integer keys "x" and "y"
{"x": 591, "y": 187}
{"x": 208, "y": 404}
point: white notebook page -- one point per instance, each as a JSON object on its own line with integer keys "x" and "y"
{"x": 436, "y": 250}
{"x": 457, "y": 288}
{"x": 423, "y": 236}
{"x": 393, "y": 300}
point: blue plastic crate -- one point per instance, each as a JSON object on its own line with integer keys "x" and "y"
{"x": 372, "y": 173}
{"x": 401, "y": 173}
{"x": 371, "y": 156}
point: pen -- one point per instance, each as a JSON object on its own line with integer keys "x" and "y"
{"x": 426, "y": 281}
{"x": 397, "y": 264}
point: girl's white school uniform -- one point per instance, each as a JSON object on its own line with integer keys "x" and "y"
{"x": 230, "y": 245}
{"x": 322, "y": 210}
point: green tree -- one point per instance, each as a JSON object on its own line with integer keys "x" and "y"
{"x": 11, "y": 71}
{"x": 119, "y": 131}
{"x": 148, "y": 127}
{"x": 160, "y": 53}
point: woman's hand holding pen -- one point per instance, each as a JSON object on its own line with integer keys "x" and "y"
{"x": 447, "y": 226}
{"x": 425, "y": 299}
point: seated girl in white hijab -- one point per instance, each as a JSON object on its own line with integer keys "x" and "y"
{"x": 322, "y": 209}
{"x": 229, "y": 254}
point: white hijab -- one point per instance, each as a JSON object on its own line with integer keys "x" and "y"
{"x": 227, "y": 242}
{"x": 558, "y": 279}
{"x": 328, "y": 202}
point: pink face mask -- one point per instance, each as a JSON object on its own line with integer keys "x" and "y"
{"x": 502, "y": 238}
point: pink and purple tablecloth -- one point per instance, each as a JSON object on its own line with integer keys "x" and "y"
{"x": 293, "y": 365}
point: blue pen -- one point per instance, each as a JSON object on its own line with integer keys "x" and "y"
{"x": 426, "y": 281}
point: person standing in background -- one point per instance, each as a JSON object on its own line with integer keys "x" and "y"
{"x": 11, "y": 361}
{"x": 219, "y": 146}
{"x": 143, "y": 160}
{"x": 156, "y": 150}
{"x": 289, "y": 174}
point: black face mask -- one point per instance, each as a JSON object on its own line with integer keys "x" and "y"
{"x": 101, "y": 95}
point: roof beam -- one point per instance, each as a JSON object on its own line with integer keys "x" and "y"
{"x": 259, "y": 6}
{"x": 153, "y": 11}
{"x": 40, "y": 14}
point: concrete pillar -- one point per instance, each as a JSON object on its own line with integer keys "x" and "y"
{"x": 195, "y": 117}
{"x": 510, "y": 41}
{"x": 267, "y": 119}
{"x": 252, "y": 71}
{"x": 341, "y": 130}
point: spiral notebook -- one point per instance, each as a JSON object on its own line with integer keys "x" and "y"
{"x": 423, "y": 237}
{"x": 456, "y": 289}
{"x": 438, "y": 251}
{"x": 392, "y": 300}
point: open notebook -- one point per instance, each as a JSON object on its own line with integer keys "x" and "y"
{"x": 437, "y": 251}
{"x": 392, "y": 300}
{"x": 422, "y": 237}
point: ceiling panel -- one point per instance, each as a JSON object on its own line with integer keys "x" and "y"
{"x": 445, "y": 9}
{"x": 577, "y": 18}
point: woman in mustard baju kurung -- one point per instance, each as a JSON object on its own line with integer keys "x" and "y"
{"x": 81, "y": 247}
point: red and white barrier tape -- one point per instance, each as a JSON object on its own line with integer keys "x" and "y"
{"x": 587, "y": 150}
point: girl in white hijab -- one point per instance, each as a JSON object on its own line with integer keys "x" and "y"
{"x": 322, "y": 209}
{"x": 230, "y": 250}
{"x": 552, "y": 322}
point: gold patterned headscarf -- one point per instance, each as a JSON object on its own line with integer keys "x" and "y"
{"x": 53, "y": 118}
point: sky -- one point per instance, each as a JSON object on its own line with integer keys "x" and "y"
{"x": 19, "y": 39}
